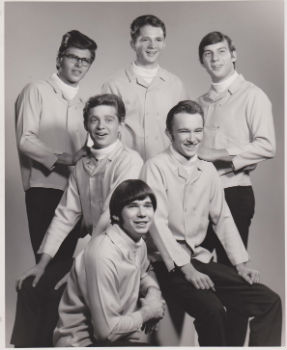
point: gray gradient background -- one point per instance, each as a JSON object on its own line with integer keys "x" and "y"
{"x": 32, "y": 36}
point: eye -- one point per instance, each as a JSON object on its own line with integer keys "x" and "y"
{"x": 207, "y": 54}
{"x": 223, "y": 51}
{"x": 148, "y": 205}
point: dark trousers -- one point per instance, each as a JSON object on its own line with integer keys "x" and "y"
{"x": 37, "y": 307}
{"x": 241, "y": 202}
{"x": 233, "y": 293}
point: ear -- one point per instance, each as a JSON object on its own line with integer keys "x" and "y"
{"x": 58, "y": 62}
{"x": 233, "y": 56}
{"x": 115, "y": 218}
{"x": 121, "y": 126}
{"x": 169, "y": 135}
{"x": 132, "y": 44}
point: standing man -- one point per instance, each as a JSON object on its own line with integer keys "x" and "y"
{"x": 238, "y": 134}
{"x": 147, "y": 90}
{"x": 51, "y": 138}
{"x": 110, "y": 296}
{"x": 88, "y": 193}
{"x": 189, "y": 193}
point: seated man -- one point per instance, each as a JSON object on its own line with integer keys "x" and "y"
{"x": 189, "y": 193}
{"x": 100, "y": 306}
{"x": 88, "y": 193}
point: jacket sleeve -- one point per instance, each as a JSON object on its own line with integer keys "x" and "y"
{"x": 28, "y": 113}
{"x": 223, "y": 223}
{"x": 109, "y": 323}
{"x": 170, "y": 250}
{"x": 260, "y": 122}
{"x": 67, "y": 214}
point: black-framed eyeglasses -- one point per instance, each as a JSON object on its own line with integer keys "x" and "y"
{"x": 75, "y": 59}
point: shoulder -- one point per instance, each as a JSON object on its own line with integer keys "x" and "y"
{"x": 160, "y": 161}
{"x": 129, "y": 155}
{"x": 253, "y": 91}
{"x": 170, "y": 76}
{"x": 34, "y": 87}
{"x": 100, "y": 250}
{"x": 116, "y": 77}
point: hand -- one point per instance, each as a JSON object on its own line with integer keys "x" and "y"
{"x": 152, "y": 308}
{"x": 213, "y": 155}
{"x": 69, "y": 159}
{"x": 249, "y": 275}
{"x": 150, "y": 326}
{"x": 198, "y": 279}
{"x": 249, "y": 168}
{"x": 36, "y": 271}
{"x": 62, "y": 281}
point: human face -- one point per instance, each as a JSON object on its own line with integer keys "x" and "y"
{"x": 70, "y": 70}
{"x": 103, "y": 125}
{"x": 187, "y": 133}
{"x": 136, "y": 218}
{"x": 218, "y": 61}
{"x": 148, "y": 46}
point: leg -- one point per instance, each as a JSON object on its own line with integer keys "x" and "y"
{"x": 40, "y": 205}
{"x": 241, "y": 202}
{"x": 204, "y": 306}
{"x": 37, "y": 308}
{"x": 257, "y": 301}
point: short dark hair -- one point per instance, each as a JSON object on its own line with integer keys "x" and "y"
{"x": 186, "y": 106}
{"x": 141, "y": 21}
{"x": 108, "y": 100}
{"x": 74, "y": 38}
{"x": 127, "y": 192}
{"x": 214, "y": 38}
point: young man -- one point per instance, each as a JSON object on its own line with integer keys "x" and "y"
{"x": 189, "y": 193}
{"x": 50, "y": 138}
{"x": 238, "y": 134}
{"x": 100, "y": 306}
{"x": 88, "y": 192}
{"x": 147, "y": 90}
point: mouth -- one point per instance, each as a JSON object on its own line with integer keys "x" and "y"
{"x": 151, "y": 53}
{"x": 100, "y": 135}
{"x": 76, "y": 72}
{"x": 141, "y": 223}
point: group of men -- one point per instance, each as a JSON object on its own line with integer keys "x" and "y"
{"x": 147, "y": 173}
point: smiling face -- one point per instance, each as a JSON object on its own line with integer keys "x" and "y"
{"x": 148, "y": 45}
{"x": 136, "y": 218}
{"x": 70, "y": 70}
{"x": 103, "y": 125}
{"x": 187, "y": 133}
{"x": 218, "y": 61}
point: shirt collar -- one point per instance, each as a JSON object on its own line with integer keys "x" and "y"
{"x": 90, "y": 164}
{"x": 181, "y": 159}
{"x": 105, "y": 152}
{"x": 58, "y": 91}
{"x": 161, "y": 74}
{"x": 235, "y": 85}
{"x": 180, "y": 163}
{"x": 122, "y": 240}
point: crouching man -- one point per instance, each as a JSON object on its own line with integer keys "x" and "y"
{"x": 189, "y": 193}
{"x": 110, "y": 297}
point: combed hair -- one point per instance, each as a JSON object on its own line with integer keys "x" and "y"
{"x": 127, "y": 192}
{"x": 213, "y": 38}
{"x": 186, "y": 106}
{"x": 141, "y": 21}
{"x": 76, "y": 39}
{"x": 108, "y": 100}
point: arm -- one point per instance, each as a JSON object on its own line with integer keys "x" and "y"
{"x": 109, "y": 321}
{"x": 223, "y": 223}
{"x": 170, "y": 250}
{"x": 128, "y": 168}
{"x": 67, "y": 214}
{"x": 262, "y": 145}
{"x": 28, "y": 114}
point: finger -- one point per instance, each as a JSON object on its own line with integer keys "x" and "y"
{"x": 58, "y": 285}
{"x": 36, "y": 280}
{"x": 211, "y": 284}
{"x": 201, "y": 283}
{"x": 247, "y": 278}
{"x": 20, "y": 282}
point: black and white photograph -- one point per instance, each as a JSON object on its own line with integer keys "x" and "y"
{"x": 143, "y": 182}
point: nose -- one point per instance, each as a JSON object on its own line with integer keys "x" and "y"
{"x": 100, "y": 124}
{"x": 191, "y": 137}
{"x": 215, "y": 56}
{"x": 141, "y": 211}
{"x": 152, "y": 44}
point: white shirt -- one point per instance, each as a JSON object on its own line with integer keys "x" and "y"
{"x": 103, "y": 291}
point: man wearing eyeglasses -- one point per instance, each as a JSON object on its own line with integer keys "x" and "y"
{"x": 50, "y": 139}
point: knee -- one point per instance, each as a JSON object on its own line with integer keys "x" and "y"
{"x": 214, "y": 312}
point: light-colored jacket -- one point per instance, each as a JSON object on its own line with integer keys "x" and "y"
{"x": 239, "y": 120}
{"x": 147, "y": 106}
{"x": 88, "y": 193}
{"x": 185, "y": 204}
